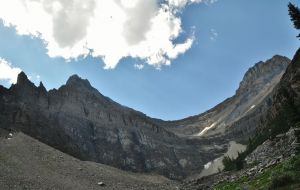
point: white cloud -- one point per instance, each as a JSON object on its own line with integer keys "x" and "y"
{"x": 183, "y": 3}
{"x": 8, "y": 72}
{"x": 214, "y": 34}
{"x": 138, "y": 66}
{"x": 112, "y": 29}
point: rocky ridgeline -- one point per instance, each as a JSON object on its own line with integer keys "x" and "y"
{"x": 80, "y": 121}
{"x": 225, "y": 118}
{"x": 280, "y": 109}
{"x": 238, "y": 117}
{"x": 261, "y": 73}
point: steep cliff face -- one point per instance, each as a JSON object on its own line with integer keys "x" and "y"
{"x": 284, "y": 111}
{"x": 257, "y": 84}
{"x": 289, "y": 87}
{"x": 277, "y": 112}
{"x": 80, "y": 121}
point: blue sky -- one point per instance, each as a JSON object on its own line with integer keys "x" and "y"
{"x": 229, "y": 37}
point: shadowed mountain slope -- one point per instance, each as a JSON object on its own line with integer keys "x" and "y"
{"x": 80, "y": 121}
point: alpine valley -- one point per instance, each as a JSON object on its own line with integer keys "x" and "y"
{"x": 76, "y": 138}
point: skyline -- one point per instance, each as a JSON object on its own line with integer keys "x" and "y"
{"x": 204, "y": 75}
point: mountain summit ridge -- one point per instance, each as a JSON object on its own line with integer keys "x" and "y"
{"x": 257, "y": 84}
{"x": 80, "y": 121}
{"x": 276, "y": 64}
{"x": 76, "y": 80}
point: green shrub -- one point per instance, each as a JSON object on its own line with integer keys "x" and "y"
{"x": 233, "y": 164}
{"x": 281, "y": 181}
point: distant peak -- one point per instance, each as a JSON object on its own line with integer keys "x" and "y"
{"x": 277, "y": 56}
{"x": 22, "y": 78}
{"x": 42, "y": 87}
{"x": 73, "y": 78}
{"x": 265, "y": 70}
{"x": 281, "y": 58}
{"x": 76, "y": 80}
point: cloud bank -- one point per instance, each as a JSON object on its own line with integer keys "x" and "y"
{"x": 109, "y": 29}
{"x": 8, "y": 72}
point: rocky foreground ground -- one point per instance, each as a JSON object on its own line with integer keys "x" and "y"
{"x": 26, "y": 163}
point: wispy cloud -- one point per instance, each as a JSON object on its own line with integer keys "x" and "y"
{"x": 138, "y": 66}
{"x": 8, "y": 72}
{"x": 214, "y": 34}
{"x": 183, "y": 3}
{"x": 112, "y": 29}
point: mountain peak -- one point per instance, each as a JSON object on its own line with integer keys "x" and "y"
{"x": 41, "y": 87}
{"x": 22, "y": 78}
{"x": 76, "y": 80}
{"x": 263, "y": 72}
{"x": 278, "y": 61}
{"x": 279, "y": 57}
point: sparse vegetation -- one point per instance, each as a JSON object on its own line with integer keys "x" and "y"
{"x": 282, "y": 176}
{"x": 233, "y": 164}
{"x": 288, "y": 117}
{"x": 281, "y": 181}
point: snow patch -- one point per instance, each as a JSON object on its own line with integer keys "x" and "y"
{"x": 216, "y": 165}
{"x": 206, "y": 129}
{"x": 252, "y": 107}
{"x": 206, "y": 166}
